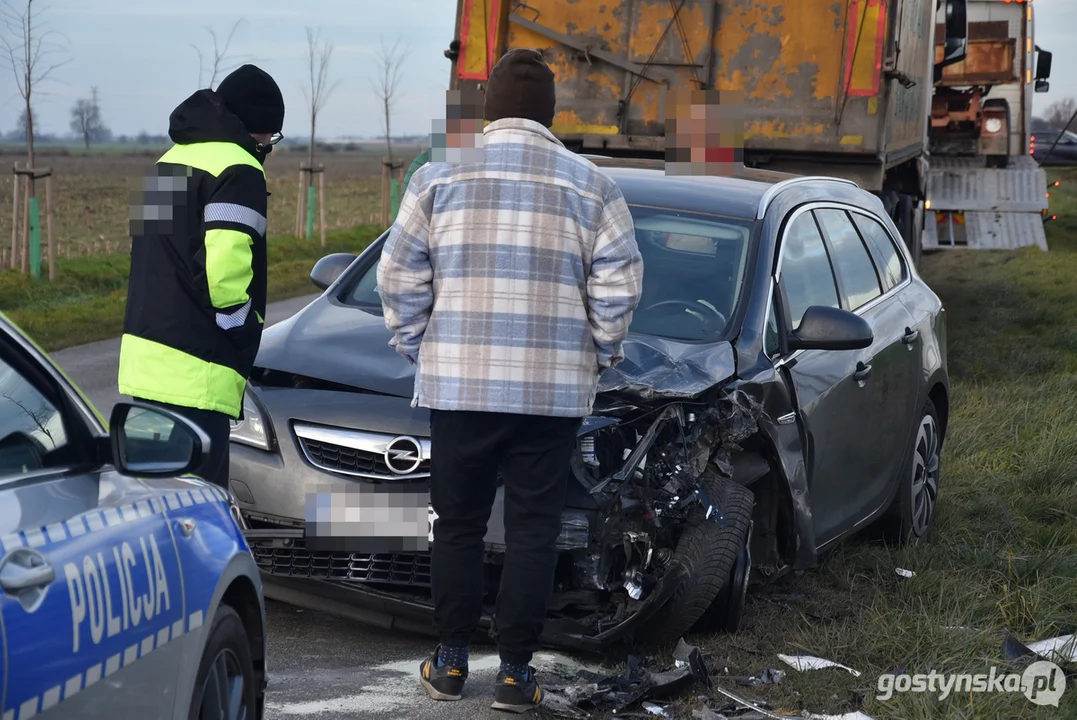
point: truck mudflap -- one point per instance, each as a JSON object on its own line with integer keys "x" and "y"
{"x": 976, "y": 207}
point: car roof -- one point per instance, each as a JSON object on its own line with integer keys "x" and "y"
{"x": 645, "y": 182}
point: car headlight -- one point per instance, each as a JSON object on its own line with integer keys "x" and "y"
{"x": 993, "y": 125}
{"x": 253, "y": 429}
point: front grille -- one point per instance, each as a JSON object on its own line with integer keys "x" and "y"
{"x": 350, "y": 460}
{"x": 296, "y": 561}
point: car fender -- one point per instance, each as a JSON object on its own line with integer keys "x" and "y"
{"x": 780, "y": 430}
{"x": 238, "y": 565}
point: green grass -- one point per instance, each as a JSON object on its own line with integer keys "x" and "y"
{"x": 86, "y": 302}
{"x": 1004, "y": 556}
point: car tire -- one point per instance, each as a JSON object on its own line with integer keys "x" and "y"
{"x": 226, "y": 672}
{"x": 911, "y": 518}
{"x": 709, "y": 551}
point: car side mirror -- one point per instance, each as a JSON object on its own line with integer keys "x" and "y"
{"x": 1042, "y": 86}
{"x": 329, "y": 268}
{"x": 828, "y": 328}
{"x": 148, "y": 441}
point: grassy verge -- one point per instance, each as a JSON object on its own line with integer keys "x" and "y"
{"x": 87, "y": 300}
{"x": 1005, "y": 552}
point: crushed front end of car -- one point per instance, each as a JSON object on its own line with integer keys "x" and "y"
{"x": 667, "y": 527}
{"x": 657, "y": 531}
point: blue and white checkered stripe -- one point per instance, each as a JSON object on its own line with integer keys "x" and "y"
{"x": 92, "y": 675}
{"x": 95, "y": 520}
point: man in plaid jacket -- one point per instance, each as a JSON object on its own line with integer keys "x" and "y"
{"x": 511, "y": 283}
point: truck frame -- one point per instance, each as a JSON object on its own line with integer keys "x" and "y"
{"x": 838, "y": 87}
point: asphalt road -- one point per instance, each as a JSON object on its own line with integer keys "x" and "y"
{"x": 322, "y": 666}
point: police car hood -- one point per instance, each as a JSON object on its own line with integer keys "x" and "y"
{"x": 202, "y": 117}
{"x": 347, "y": 345}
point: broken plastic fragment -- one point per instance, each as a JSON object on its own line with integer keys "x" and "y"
{"x": 653, "y": 709}
{"x": 1062, "y": 648}
{"x": 772, "y": 676}
{"x": 561, "y": 706}
{"x": 810, "y": 662}
{"x": 752, "y": 706}
{"x": 690, "y": 656}
{"x": 905, "y": 573}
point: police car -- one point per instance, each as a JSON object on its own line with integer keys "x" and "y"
{"x": 126, "y": 587}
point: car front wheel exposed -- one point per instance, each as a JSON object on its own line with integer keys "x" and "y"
{"x": 225, "y": 686}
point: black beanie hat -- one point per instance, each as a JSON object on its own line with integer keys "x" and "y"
{"x": 521, "y": 85}
{"x": 253, "y": 96}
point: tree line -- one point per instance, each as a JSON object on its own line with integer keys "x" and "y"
{"x": 31, "y": 51}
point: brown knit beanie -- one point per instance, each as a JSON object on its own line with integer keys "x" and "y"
{"x": 521, "y": 85}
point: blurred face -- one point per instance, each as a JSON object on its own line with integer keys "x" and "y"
{"x": 462, "y": 132}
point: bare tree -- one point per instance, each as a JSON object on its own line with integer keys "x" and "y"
{"x": 390, "y": 62}
{"x": 40, "y": 418}
{"x": 222, "y": 63}
{"x": 86, "y": 119}
{"x": 1060, "y": 114}
{"x": 318, "y": 92}
{"x": 26, "y": 46}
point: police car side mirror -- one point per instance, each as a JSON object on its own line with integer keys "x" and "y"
{"x": 149, "y": 441}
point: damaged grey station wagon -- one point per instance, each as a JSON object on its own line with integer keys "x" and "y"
{"x": 785, "y": 385}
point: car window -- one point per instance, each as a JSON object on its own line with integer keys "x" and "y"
{"x": 856, "y": 271}
{"x": 806, "y": 274}
{"x": 888, "y": 260}
{"x": 32, "y": 432}
{"x": 694, "y": 268}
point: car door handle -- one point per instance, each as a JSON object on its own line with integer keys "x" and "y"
{"x": 16, "y": 579}
{"x": 910, "y": 336}
{"x": 863, "y": 372}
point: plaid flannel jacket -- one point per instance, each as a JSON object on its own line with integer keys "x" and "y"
{"x": 511, "y": 281}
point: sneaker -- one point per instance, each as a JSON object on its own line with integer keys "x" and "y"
{"x": 442, "y": 683}
{"x": 515, "y": 694}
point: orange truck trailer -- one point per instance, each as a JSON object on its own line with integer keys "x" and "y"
{"x": 834, "y": 87}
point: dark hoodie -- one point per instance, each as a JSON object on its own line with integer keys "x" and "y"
{"x": 198, "y": 264}
{"x": 203, "y": 118}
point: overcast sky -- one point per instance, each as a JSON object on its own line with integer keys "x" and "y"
{"x": 138, "y": 53}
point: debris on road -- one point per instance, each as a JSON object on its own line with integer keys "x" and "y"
{"x": 1057, "y": 649}
{"x": 905, "y": 573}
{"x": 1062, "y": 648}
{"x": 810, "y": 662}
{"x": 630, "y": 688}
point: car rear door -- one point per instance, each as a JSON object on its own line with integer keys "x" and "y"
{"x": 90, "y": 587}
{"x": 892, "y": 388}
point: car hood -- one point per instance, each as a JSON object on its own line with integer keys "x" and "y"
{"x": 349, "y": 346}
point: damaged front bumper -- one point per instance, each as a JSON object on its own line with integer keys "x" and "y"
{"x": 392, "y": 610}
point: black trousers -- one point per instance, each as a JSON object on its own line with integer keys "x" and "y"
{"x": 533, "y": 454}
{"x": 214, "y": 466}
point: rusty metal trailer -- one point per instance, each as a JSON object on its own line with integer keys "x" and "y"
{"x": 985, "y": 190}
{"x": 839, "y": 85}
{"x": 835, "y": 87}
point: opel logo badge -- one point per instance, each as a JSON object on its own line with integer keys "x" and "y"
{"x": 403, "y": 456}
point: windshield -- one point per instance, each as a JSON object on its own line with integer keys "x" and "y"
{"x": 693, "y": 273}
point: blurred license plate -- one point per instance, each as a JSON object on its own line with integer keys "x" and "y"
{"x": 370, "y": 519}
